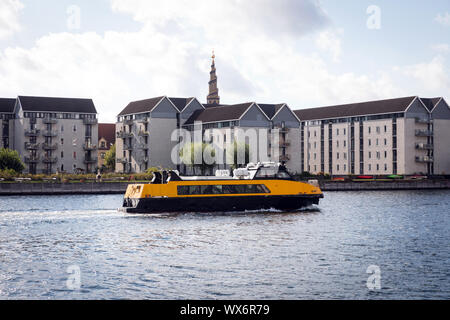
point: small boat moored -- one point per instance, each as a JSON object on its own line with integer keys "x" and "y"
{"x": 256, "y": 187}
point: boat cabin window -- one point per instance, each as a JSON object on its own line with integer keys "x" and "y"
{"x": 264, "y": 173}
{"x": 223, "y": 189}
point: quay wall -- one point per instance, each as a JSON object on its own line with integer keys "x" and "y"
{"x": 120, "y": 187}
{"x": 385, "y": 185}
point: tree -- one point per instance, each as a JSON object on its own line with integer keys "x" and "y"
{"x": 10, "y": 160}
{"x": 239, "y": 156}
{"x": 235, "y": 159}
{"x": 110, "y": 158}
{"x": 192, "y": 151}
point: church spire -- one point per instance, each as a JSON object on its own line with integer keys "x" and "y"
{"x": 213, "y": 97}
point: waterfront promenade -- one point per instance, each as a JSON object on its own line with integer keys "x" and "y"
{"x": 47, "y": 188}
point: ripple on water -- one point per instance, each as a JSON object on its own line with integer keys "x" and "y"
{"x": 320, "y": 252}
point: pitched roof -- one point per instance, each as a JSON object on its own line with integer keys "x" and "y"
{"x": 430, "y": 103}
{"x": 181, "y": 103}
{"x": 356, "y": 109}
{"x": 222, "y": 113}
{"x": 7, "y": 105}
{"x": 270, "y": 109}
{"x": 46, "y": 104}
{"x": 141, "y": 106}
{"x": 107, "y": 131}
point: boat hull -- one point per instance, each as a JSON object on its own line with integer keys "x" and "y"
{"x": 218, "y": 204}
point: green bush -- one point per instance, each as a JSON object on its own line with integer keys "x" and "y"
{"x": 10, "y": 159}
{"x": 8, "y": 174}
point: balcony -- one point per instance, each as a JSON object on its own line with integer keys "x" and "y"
{"x": 90, "y": 121}
{"x": 127, "y": 147}
{"x": 50, "y": 133}
{"x": 281, "y": 130}
{"x": 50, "y": 121}
{"x": 32, "y": 133}
{"x": 89, "y": 147}
{"x": 47, "y": 146}
{"x": 285, "y": 158}
{"x": 122, "y": 160}
{"x": 50, "y": 160}
{"x": 143, "y": 120}
{"x": 424, "y": 159}
{"x": 285, "y": 144}
{"x": 424, "y": 146}
{"x": 128, "y": 122}
{"x": 143, "y": 133}
{"x": 423, "y": 121}
{"x": 424, "y": 133}
{"x": 143, "y": 146}
{"x": 32, "y": 159}
{"x": 31, "y": 146}
{"x": 124, "y": 135}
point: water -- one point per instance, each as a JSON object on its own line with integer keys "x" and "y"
{"x": 317, "y": 253}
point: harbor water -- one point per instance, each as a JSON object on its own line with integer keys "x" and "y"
{"x": 81, "y": 247}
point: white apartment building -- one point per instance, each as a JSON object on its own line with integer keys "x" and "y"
{"x": 52, "y": 134}
{"x": 403, "y": 136}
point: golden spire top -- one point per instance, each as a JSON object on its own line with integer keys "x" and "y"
{"x": 213, "y": 55}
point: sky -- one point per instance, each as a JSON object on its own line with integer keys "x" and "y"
{"x": 306, "y": 53}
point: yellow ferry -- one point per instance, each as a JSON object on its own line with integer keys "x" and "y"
{"x": 258, "y": 186}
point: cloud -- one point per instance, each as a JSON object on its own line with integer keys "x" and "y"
{"x": 441, "y": 48}
{"x": 170, "y": 55}
{"x": 9, "y": 17}
{"x": 431, "y": 78}
{"x": 443, "y": 19}
{"x": 330, "y": 41}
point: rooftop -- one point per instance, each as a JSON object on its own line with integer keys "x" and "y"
{"x": 46, "y": 104}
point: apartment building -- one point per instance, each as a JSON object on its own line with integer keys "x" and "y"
{"x": 6, "y": 115}
{"x": 275, "y": 123}
{"x": 106, "y": 139}
{"x": 397, "y": 136}
{"x": 144, "y": 129}
{"x": 52, "y": 134}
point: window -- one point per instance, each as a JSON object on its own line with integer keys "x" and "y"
{"x": 62, "y": 141}
{"x": 377, "y": 142}
{"x": 385, "y": 167}
{"x": 370, "y": 130}
{"x": 345, "y": 155}
{"x": 75, "y": 155}
{"x": 62, "y": 128}
{"x": 74, "y": 128}
{"x": 370, "y": 155}
{"x": 103, "y": 144}
{"x": 370, "y": 167}
{"x": 222, "y": 189}
{"x": 337, "y": 155}
{"x": 337, "y": 132}
{"x": 102, "y": 155}
{"x": 315, "y": 156}
{"x": 385, "y": 128}
{"x": 337, "y": 167}
{"x": 385, "y": 142}
{"x": 345, "y": 132}
{"x": 378, "y": 167}
{"x": 345, "y": 167}
{"x": 378, "y": 129}
{"x": 345, "y": 143}
{"x": 62, "y": 154}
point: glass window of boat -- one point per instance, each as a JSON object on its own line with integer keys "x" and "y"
{"x": 223, "y": 189}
